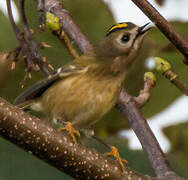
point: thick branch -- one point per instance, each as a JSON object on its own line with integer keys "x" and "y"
{"x": 144, "y": 134}
{"x": 165, "y": 27}
{"x": 57, "y": 148}
{"x": 128, "y": 108}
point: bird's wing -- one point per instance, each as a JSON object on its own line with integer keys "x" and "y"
{"x": 37, "y": 89}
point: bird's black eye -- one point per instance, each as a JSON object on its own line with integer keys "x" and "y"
{"x": 125, "y": 38}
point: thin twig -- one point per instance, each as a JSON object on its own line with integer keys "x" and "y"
{"x": 144, "y": 95}
{"x": 174, "y": 79}
{"x": 24, "y": 47}
{"x": 21, "y": 40}
{"x": 165, "y": 27}
{"x": 63, "y": 37}
{"x": 14, "y": 26}
{"x": 42, "y": 17}
{"x": 33, "y": 46}
{"x": 16, "y": 53}
{"x": 164, "y": 67}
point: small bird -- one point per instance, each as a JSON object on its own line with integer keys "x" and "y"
{"x": 84, "y": 90}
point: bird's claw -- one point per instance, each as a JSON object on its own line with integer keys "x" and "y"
{"x": 71, "y": 131}
{"x": 115, "y": 154}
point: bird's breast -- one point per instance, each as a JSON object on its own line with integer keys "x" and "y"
{"x": 81, "y": 99}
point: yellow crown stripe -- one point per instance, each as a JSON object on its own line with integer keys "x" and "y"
{"x": 119, "y": 26}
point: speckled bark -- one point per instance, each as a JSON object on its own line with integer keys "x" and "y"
{"x": 56, "y": 148}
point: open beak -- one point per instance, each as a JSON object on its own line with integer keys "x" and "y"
{"x": 143, "y": 29}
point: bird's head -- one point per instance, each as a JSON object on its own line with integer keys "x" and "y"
{"x": 123, "y": 39}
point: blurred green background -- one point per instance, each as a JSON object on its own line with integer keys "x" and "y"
{"x": 16, "y": 164}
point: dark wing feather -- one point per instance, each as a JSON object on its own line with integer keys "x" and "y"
{"x": 37, "y": 89}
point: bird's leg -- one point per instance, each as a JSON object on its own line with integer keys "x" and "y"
{"x": 68, "y": 127}
{"x": 114, "y": 152}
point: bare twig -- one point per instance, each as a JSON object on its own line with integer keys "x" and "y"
{"x": 164, "y": 67}
{"x": 144, "y": 95}
{"x": 165, "y": 27}
{"x": 52, "y": 22}
{"x": 29, "y": 51}
{"x": 33, "y": 46}
{"x": 16, "y": 53}
{"x": 66, "y": 41}
{"x": 42, "y": 17}
{"x": 20, "y": 37}
{"x": 14, "y": 26}
{"x": 174, "y": 79}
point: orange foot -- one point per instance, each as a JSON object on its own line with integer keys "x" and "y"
{"x": 70, "y": 130}
{"x": 115, "y": 154}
